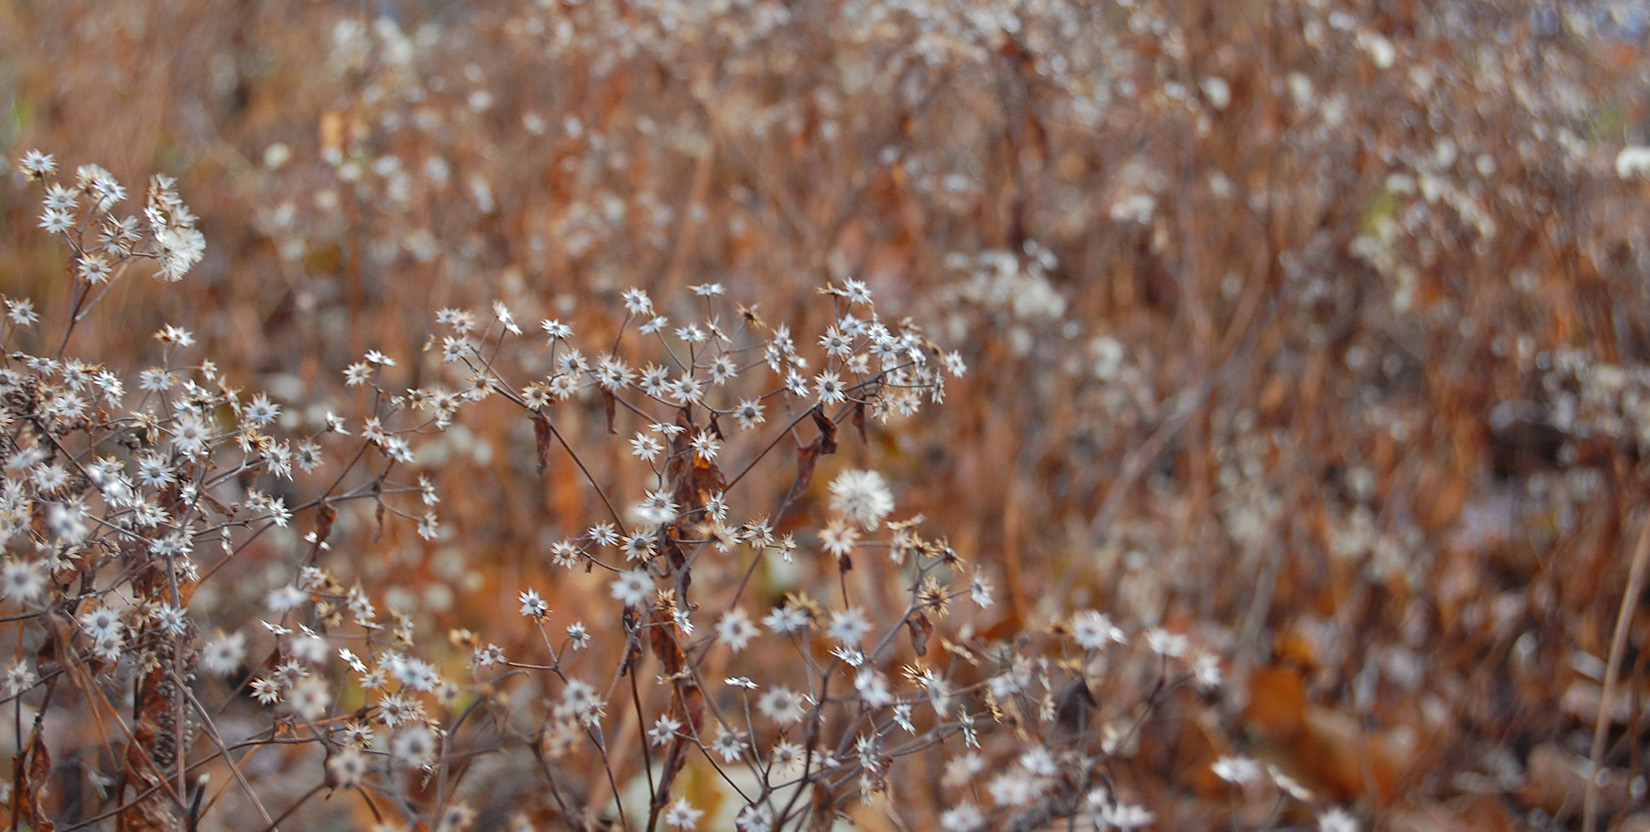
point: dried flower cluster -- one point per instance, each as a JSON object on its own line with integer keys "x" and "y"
{"x": 1294, "y": 466}
{"x": 122, "y": 508}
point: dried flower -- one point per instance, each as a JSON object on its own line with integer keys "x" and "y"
{"x": 861, "y": 497}
{"x": 735, "y": 629}
{"x": 633, "y": 588}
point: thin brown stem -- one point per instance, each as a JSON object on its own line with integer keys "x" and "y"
{"x": 1612, "y": 675}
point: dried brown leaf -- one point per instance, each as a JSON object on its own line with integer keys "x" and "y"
{"x": 542, "y": 435}
{"x": 827, "y": 431}
{"x": 920, "y": 629}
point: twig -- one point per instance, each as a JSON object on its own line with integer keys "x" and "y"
{"x": 1618, "y": 647}
{"x": 217, "y": 739}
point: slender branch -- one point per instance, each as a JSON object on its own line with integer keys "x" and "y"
{"x": 1612, "y": 675}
